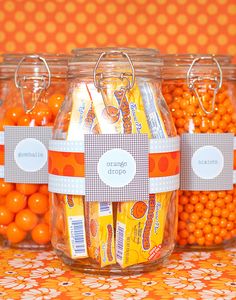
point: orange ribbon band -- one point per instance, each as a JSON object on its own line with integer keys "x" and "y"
{"x": 72, "y": 164}
{"x": 1, "y": 154}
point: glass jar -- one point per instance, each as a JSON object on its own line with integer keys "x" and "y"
{"x": 187, "y": 59}
{"x": 200, "y": 92}
{"x": 113, "y": 101}
{"x": 32, "y": 90}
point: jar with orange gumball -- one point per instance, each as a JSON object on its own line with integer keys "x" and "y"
{"x": 200, "y": 92}
{"x": 32, "y": 90}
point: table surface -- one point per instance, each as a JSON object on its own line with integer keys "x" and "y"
{"x": 191, "y": 275}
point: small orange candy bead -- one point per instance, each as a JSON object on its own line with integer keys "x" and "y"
{"x": 199, "y": 207}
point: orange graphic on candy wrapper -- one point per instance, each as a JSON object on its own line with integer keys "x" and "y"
{"x": 109, "y": 242}
{"x": 149, "y": 222}
{"x": 87, "y": 222}
{"x": 111, "y": 114}
{"x": 125, "y": 110}
{"x": 139, "y": 209}
{"x": 96, "y": 129}
{"x": 70, "y": 200}
{"x": 89, "y": 120}
{"x": 93, "y": 227}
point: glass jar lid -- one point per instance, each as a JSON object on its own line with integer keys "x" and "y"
{"x": 187, "y": 58}
{"x": 35, "y": 63}
{"x": 33, "y": 74}
{"x": 86, "y": 61}
{"x": 186, "y": 66}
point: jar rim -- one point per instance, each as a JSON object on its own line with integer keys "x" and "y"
{"x": 144, "y": 61}
{"x": 187, "y": 58}
{"x": 57, "y": 63}
{"x": 179, "y": 71}
{"x": 50, "y": 57}
{"x": 86, "y": 54}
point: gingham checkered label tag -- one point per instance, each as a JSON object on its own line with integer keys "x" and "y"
{"x": 116, "y": 167}
{"x": 207, "y": 162}
{"x": 26, "y": 154}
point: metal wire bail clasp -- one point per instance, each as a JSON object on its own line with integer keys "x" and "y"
{"x": 217, "y": 80}
{"x": 127, "y": 77}
{"x": 40, "y": 83}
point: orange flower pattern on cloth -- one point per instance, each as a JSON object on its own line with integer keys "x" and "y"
{"x": 26, "y": 275}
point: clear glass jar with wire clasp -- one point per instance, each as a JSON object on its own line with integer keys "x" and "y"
{"x": 114, "y": 94}
{"x": 33, "y": 88}
{"x": 200, "y": 92}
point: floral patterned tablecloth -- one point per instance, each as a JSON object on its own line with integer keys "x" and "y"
{"x": 30, "y": 275}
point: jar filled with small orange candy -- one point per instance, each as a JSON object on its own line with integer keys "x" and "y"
{"x": 32, "y": 89}
{"x": 200, "y": 91}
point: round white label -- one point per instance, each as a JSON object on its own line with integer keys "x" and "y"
{"x": 30, "y": 155}
{"x": 116, "y": 167}
{"x": 207, "y": 162}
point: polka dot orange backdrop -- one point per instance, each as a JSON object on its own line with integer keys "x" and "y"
{"x": 171, "y": 26}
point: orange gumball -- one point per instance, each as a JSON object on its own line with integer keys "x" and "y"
{"x": 6, "y": 216}
{"x": 15, "y": 234}
{"x": 55, "y": 102}
{"x": 14, "y": 113}
{"x": 5, "y": 187}
{"x": 15, "y": 201}
{"x": 26, "y": 219}
{"x": 25, "y": 120}
{"x": 6, "y": 122}
{"x": 43, "y": 188}
{"x": 41, "y": 234}
{"x": 3, "y": 229}
{"x": 46, "y": 218}
{"x": 38, "y": 203}
{"x": 27, "y": 188}
{"x": 2, "y": 200}
{"x": 42, "y": 114}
